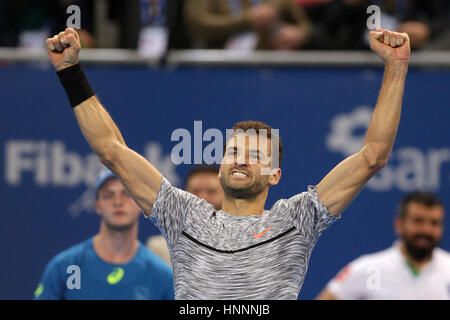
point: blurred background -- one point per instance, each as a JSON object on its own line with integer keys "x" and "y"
{"x": 225, "y": 24}
{"x": 302, "y": 66}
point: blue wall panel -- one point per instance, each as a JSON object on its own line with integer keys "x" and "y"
{"x": 47, "y": 169}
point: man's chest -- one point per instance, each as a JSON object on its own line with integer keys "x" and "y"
{"x": 237, "y": 235}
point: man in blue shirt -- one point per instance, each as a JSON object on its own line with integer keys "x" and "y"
{"x": 113, "y": 264}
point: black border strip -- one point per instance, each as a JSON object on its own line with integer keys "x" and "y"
{"x": 239, "y": 250}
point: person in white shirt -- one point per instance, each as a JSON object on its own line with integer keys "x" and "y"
{"x": 414, "y": 268}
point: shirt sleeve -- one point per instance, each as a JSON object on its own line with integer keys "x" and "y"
{"x": 350, "y": 283}
{"x": 310, "y": 215}
{"x": 51, "y": 285}
{"x": 170, "y": 209}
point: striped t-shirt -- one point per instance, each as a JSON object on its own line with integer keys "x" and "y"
{"x": 217, "y": 255}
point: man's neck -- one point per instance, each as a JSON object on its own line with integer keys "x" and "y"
{"x": 117, "y": 247}
{"x": 245, "y": 207}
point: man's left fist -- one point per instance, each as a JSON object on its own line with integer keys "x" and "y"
{"x": 390, "y": 46}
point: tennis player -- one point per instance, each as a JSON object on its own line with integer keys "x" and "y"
{"x": 241, "y": 251}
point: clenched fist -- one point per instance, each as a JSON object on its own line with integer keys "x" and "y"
{"x": 63, "y": 49}
{"x": 390, "y": 46}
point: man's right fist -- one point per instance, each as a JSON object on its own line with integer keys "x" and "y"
{"x": 63, "y": 49}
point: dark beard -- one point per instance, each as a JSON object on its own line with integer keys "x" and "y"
{"x": 248, "y": 193}
{"x": 419, "y": 253}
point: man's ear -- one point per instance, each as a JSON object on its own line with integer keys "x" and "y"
{"x": 97, "y": 207}
{"x": 275, "y": 176}
{"x": 398, "y": 228}
{"x": 220, "y": 170}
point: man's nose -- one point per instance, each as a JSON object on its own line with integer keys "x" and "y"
{"x": 118, "y": 201}
{"x": 241, "y": 159}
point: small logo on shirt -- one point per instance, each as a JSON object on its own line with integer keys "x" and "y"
{"x": 40, "y": 289}
{"x": 259, "y": 235}
{"x": 115, "y": 276}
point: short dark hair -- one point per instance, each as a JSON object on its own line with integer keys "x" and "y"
{"x": 257, "y": 126}
{"x": 201, "y": 168}
{"x": 425, "y": 198}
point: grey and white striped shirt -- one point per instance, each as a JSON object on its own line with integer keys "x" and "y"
{"x": 217, "y": 255}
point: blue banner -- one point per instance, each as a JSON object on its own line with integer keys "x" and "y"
{"x": 48, "y": 170}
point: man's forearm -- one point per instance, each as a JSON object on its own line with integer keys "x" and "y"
{"x": 385, "y": 119}
{"x": 95, "y": 123}
{"x": 98, "y": 128}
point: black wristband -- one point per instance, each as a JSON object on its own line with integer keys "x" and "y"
{"x": 75, "y": 84}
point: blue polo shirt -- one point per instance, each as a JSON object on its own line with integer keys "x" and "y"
{"x": 79, "y": 273}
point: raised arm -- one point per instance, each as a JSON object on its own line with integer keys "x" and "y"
{"x": 139, "y": 176}
{"x": 345, "y": 181}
